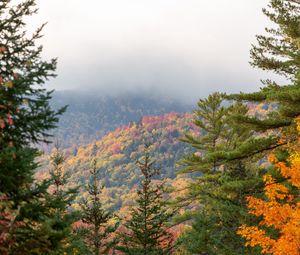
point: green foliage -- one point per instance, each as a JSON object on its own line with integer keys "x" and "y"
{"x": 146, "y": 231}
{"x": 222, "y": 195}
{"x": 207, "y": 237}
{"x": 225, "y": 183}
{"x": 278, "y": 51}
{"x": 210, "y": 119}
{"x": 25, "y": 115}
{"x": 50, "y": 229}
{"x": 98, "y": 229}
{"x": 61, "y": 217}
{"x": 25, "y": 119}
{"x": 219, "y": 137}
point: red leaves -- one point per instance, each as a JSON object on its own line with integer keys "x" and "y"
{"x": 2, "y": 124}
{"x": 2, "y": 49}
{"x": 9, "y": 121}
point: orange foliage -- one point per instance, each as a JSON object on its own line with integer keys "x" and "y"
{"x": 280, "y": 210}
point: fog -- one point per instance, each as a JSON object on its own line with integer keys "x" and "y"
{"x": 184, "y": 48}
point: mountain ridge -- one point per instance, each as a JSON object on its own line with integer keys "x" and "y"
{"x": 90, "y": 116}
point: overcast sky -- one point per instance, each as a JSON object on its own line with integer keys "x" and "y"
{"x": 185, "y": 47}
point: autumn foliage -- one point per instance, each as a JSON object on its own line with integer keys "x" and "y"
{"x": 280, "y": 211}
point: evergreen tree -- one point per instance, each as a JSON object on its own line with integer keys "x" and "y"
{"x": 222, "y": 188}
{"x": 61, "y": 217}
{"x": 96, "y": 217}
{"x": 210, "y": 119}
{"x": 52, "y": 232}
{"x": 25, "y": 119}
{"x": 25, "y": 114}
{"x": 146, "y": 232}
{"x": 277, "y": 52}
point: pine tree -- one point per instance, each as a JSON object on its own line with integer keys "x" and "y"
{"x": 279, "y": 52}
{"x": 99, "y": 229}
{"x": 146, "y": 232}
{"x": 25, "y": 119}
{"x": 222, "y": 188}
{"x": 210, "y": 119}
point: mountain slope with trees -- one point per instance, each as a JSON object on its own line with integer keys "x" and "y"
{"x": 91, "y": 115}
{"x": 224, "y": 189}
{"x": 117, "y": 152}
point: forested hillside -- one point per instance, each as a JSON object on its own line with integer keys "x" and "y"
{"x": 117, "y": 152}
{"x": 91, "y": 115}
{"x": 125, "y": 169}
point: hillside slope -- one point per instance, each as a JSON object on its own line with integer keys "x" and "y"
{"x": 117, "y": 152}
{"x": 90, "y": 116}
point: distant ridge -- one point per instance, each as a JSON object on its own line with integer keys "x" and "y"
{"x": 90, "y": 116}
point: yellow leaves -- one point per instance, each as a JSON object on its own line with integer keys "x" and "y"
{"x": 274, "y": 190}
{"x": 25, "y": 101}
{"x": 256, "y": 236}
{"x": 28, "y": 63}
{"x": 286, "y": 244}
{"x": 279, "y": 210}
{"x": 298, "y": 124}
{"x": 292, "y": 173}
{"x": 8, "y": 84}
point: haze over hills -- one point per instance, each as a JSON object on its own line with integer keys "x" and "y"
{"x": 91, "y": 115}
{"x": 119, "y": 126}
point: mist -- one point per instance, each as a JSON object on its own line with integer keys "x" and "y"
{"x": 185, "y": 49}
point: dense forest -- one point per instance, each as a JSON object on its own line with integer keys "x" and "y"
{"x": 221, "y": 180}
{"x": 117, "y": 152}
{"x": 90, "y": 116}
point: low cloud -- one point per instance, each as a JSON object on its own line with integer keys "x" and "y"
{"x": 182, "y": 48}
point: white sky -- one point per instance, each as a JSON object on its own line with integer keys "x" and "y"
{"x": 189, "y": 47}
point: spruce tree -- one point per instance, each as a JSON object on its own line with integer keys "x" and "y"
{"x": 52, "y": 232}
{"x": 25, "y": 119}
{"x": 60, "y": 217}
{"x": 99, "y": 229}
{"x": 25, "y": 114}
{"x": 146, "y": 232}
{"x": 223, "y": 186}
